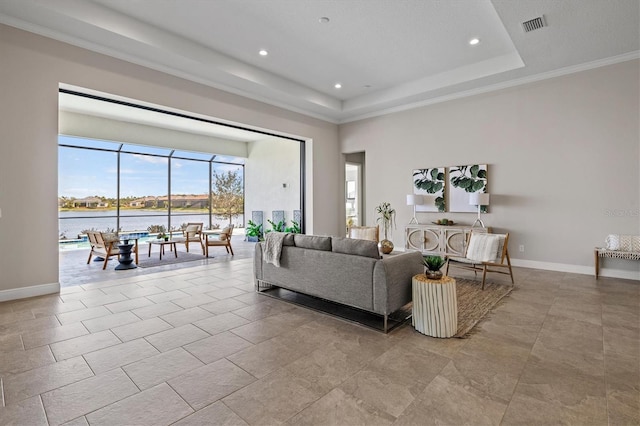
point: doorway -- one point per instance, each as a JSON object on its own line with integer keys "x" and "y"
{"x": 354, "y": 189}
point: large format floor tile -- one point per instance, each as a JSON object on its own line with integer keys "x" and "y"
{"x": 193, "y": 344}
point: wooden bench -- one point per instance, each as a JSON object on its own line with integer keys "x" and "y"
{"x": 618, "y": 247}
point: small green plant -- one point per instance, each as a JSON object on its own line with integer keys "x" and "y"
{"x": 294, "y": 229}
{"x": 160, "y": 230}
{"x": 253, "y": 230}
{"x": 387, "y": 216}
{"x": 276, "y": 227}
{"x": 433, "y": 263}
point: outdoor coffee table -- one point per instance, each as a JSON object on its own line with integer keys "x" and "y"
{"x": 162, "y": 243}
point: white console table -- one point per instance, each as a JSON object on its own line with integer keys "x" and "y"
{"x": 439, "y": 239}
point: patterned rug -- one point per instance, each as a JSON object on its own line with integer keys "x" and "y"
{"x": 474, "y": 303}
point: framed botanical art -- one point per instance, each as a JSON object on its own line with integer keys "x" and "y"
{"x": 430, "y": 183}
{"x": 465, "y": 180}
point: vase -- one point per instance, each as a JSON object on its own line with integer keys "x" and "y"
{"x": 386, "y": 246}
{"x": 434, "y": 275}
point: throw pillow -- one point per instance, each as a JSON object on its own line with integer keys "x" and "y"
{"x": 356, "y": 247}
{"x": 110, "y": 237}
{"x": 629, "y": 243}
{"x": 314, "y": 242}
{"x": 613, "y": 242}
{"x": 483, "y": 247}
{"x": 191, "y": 231}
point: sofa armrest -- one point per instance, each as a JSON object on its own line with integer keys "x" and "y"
{"x": 392, "y": 280}
{"x": 257, "y": 263}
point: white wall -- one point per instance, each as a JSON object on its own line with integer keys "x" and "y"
{"x": 270, "y": 164}
{"x": 562, "y": 154}
{"x": 32, "y": 69}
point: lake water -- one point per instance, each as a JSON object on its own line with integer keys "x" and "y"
{"x": 135, "y": 220}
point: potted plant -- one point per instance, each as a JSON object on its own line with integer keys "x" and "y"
{"x": 253, "y": 232}
{"x": 433, "y": 264}
{"x": 277, "y": 227}
{"x": 387, "y": 217}
{"x": 294, "y": 228}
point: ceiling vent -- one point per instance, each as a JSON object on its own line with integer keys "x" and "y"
{"x": 534, "y": 24}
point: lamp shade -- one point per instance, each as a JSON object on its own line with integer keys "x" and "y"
{"x": 479, "y": 199}
{"x": 415, "y": 200}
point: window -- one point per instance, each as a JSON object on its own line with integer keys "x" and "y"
{"x": 108, "y": 186}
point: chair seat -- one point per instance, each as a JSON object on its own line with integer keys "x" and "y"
{"x": 463, "y": 260}
{"x": 217, "y": 242}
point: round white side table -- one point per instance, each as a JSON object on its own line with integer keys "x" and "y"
{"x": 435, "y": 306}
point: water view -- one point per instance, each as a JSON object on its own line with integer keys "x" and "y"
{"x": 156, "y": 189}
{"x": 72, "y": 224}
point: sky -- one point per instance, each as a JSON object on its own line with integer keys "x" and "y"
{"x": 84, "y": 173}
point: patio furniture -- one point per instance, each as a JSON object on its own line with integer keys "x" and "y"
{"x": 223, "y": 239}
{"x": 162, "y": 243}
{"x": 192, "y": 233}
{"x": 103, "y": 244}
{"x": 125, "y": 246}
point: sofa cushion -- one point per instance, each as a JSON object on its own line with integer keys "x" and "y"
{"x": 314, "y": 242}
{"x": 356, "y": 247}
{"x": 288, "y": 240}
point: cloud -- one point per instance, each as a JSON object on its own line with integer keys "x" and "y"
{"x": 151, "y": 159}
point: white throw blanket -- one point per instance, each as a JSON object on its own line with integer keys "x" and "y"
{"x": 273, "y": 242}
{"x": 483, "y": 247}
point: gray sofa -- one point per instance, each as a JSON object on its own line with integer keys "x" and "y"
{"x": 347, "y": 271}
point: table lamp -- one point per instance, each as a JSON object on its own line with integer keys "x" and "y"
{"x": 414, "y": 200}
{"x": 478, "y": 199}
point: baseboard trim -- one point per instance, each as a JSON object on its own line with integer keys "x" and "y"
{"x": 577, "y": 269}
{"x": 31, "y": 291}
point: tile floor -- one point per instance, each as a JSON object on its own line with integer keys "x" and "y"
{"x": 195, "y": 345}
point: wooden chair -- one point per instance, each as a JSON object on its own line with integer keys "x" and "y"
{"x": 103, "y": 245}
{"x": 478, "y": 246}
{"x": 192, "y": 233}
{"x": 223, "y": 240}
{"x": 364, "y": 233}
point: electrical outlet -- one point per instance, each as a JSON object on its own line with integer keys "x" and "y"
{"x": 521, "y": 248}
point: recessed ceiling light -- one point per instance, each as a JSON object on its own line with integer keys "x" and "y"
{"x": 337, "y": 85}
{"x": 474, "y": 41}
{"x": 324, "y": 20}
{"x": 263, "y": 52}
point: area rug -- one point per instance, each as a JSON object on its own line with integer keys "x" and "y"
{"x": 144, "y": 261}
{"x": 474, "y": 303}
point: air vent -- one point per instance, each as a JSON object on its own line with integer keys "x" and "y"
{"x": 534, "y": 24}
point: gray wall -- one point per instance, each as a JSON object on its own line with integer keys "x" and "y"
{"x": 563, "y": 158}
{"x": 32, "y": 69}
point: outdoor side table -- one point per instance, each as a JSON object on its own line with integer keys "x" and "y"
{"x": 125, "y": 261}
{"x": 435, "y": 306}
